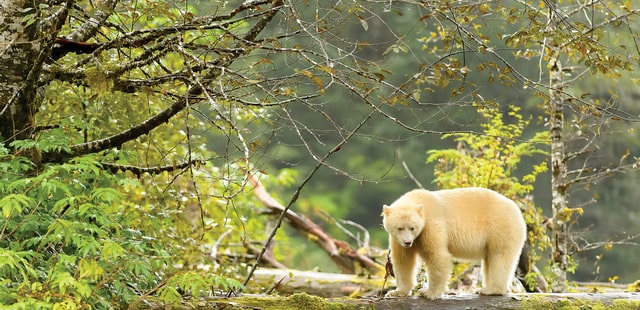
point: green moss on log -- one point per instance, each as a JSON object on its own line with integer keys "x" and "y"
{"x": 293, "y": 302}
{"x": 541, "y": 302}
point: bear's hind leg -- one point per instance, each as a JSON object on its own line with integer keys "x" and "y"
{"x": 498, "y": 269}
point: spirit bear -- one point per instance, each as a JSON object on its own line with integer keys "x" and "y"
{"x": 465, "y": 224}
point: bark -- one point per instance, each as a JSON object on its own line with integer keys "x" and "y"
{"x": 20, "y": 47}
{"x": 27, "y": 37}
{"x": 559, "y": 228}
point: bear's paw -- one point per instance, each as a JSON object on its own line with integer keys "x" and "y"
{"x": 492, "y": 291}
{"x": 397, "y": 293}
{"x": 430, "y": 294}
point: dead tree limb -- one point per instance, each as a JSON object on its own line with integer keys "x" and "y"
{"x": 340, "y": 252}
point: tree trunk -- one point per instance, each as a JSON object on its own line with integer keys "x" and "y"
{"x": 20, "y": 48}
{"x": 559, "y": 231}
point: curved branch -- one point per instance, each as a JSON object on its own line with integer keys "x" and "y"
{"x": 139, "y": 171}
{"x": 190, "y": 97}
{"x": 89, "y": 28}
{"x": 75, "y": 41}
{"x": 340, "y": 252}
{"x": 135, "y": 131}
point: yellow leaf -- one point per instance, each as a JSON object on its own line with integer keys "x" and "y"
{"x": 608, "y": 246}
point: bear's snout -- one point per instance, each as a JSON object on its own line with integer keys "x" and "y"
{"x": 407, "y": 244}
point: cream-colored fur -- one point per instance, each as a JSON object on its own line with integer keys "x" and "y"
{"x": 439, "y": 226}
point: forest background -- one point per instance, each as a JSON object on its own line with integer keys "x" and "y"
{"x": 146, "y": 120}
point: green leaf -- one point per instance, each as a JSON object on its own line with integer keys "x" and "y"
{"x": 111, "y": 250}
{"x": 105, "y": 194}
{"x": 13, "y": 204}
{"x": 63, "y": 280}
{"x": 83, "y": 288}
{"x": 23, "y": 144}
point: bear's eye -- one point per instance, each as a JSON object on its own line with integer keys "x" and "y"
{"x": 400, "y": 229}
{"x": 411, "y": 228}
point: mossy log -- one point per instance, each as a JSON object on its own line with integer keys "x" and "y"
{"x": 317, "y": 283}
{"x": 527, "y": 301}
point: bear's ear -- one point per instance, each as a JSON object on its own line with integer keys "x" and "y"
{"x": 385, "y": 210}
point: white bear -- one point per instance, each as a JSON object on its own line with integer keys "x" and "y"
{"x": 465, "y": 224}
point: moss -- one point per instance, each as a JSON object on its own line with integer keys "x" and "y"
{"x": 536, "y": 302}
{"x": 293, "y": 302}
{"x": 542, "y": 302}
{"x": 624, "y": 304}
{"x": 634, "y": 287}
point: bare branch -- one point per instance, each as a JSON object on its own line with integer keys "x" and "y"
{"x": 589, "y": 246}
{"x": 594, "y": 175}
{"x": 336, "y": 249}
{"x": 408, "y": 171}
{"x": 304, "y": 182}
{"x": 139, "y": 171}
{"x": 89, "y": 28}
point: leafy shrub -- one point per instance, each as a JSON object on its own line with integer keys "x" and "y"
{"x": 76, "y": 234}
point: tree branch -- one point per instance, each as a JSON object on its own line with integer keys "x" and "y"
{"x": 139, "y": 171}
{"x": 191, "y": 97}
{"x": 600, "y": 174}
{"x": 135, "y": 131}
{"x": 75, "y": 42}
{"x": 90, "y": 27}
{"x": 342, "y": 254}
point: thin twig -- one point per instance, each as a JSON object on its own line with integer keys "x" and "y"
{"x": 408, "y": 171}
{"x": 296, "y": 194}
{"x": 214, "y": 248}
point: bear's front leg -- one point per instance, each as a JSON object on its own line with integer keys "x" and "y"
{"x": 404, "y": 267}
{"x": 439, "y": 271}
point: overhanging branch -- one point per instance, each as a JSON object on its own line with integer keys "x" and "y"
{"x": 133, "y": 132}
{"x": 139, "y": 171}
{"x": 190, "y": 97}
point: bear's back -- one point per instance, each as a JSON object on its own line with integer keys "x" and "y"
{"x": 478, "y": 218}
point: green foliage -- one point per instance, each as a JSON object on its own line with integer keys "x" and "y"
{"x": 196, "y": 283}
{"x": 71, "y": 236}
{"x": 79, "y": 233}
{"x": 490, "y": 160}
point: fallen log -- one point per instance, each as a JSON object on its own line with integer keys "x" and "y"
{"x": 612, "y": 301}
{"x": 321, "y": 284}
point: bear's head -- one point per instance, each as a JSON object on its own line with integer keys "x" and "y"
{"x": 403, "y": 223}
